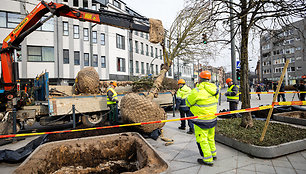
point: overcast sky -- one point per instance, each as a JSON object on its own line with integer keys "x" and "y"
{"x": 166, "y": 11}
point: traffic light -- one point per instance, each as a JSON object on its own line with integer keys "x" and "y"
{"x": 204, "y": 37}
{"x": 238, "y": 74}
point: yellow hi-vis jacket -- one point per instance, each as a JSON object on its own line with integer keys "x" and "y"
{"x": 202, "y": 101}
{"x": 233, "y": 93}
{"x": 181, "y": 95}
{"x": 112, "y": 99}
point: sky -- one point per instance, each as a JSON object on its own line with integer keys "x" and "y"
{"x": 166, "y": 11}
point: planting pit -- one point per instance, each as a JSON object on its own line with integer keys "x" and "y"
{"x": 295, "y": 117}
{"x": 116, "y": 153}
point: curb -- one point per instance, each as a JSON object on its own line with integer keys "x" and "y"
{"x": 298, "y": 121}
{"x": 263, "y": 151}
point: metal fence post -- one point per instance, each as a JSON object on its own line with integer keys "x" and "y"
{"x": 73, "y": 116}
{"x": 173, "y": 106}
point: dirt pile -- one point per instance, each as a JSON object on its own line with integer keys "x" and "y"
{"x": 136, "y": 108}
{"x": 87, "y": 81}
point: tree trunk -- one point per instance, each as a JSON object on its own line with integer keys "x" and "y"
{"x": 246, "y": 120}
{"x": 157, "y": 83}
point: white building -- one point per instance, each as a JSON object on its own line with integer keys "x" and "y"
{"x": 62, "y": 45}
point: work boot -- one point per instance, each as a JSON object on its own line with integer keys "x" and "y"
{"x": 190, "y": 131}
{"x": 200, "y": 161}
{"x": 214, "y": 158}
{"x": 182, "y": 128}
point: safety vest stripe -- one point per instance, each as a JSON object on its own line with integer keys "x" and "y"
{"x": 207, "y": 121}
{"x": 188, "y": 102}
{"x": 182, "y": 106}
{"x": 208, "y": 105}
{"x": 214, "y": 151}
{"x": 205, "y": 158}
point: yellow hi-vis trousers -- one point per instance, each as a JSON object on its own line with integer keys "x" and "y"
{"x": 206, "y": 142}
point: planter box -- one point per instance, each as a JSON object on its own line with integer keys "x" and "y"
{"x": 295, "y": 117}
{"x": 116, "y": 153}
{"x": 263, "y": 151}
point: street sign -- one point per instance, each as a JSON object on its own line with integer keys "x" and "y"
{"x": 238, "y": 64}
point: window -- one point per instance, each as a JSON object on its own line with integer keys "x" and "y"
{"x": 65, "y": 29}
{"x": 120, "y": 64}
{"x": 76, "y": 32}
{"x": 2, "y": 19}
{"x": 94, "y": 62}
{"x": 147, "y": 68}
{"x": 141, "y": 47}
{"x": 94, "y": 6}
{"x": 137, "y": 67}
{"x": 40, "y": 54}
{"x": 103, "y": 62}
{"x": 299, "y": 68}
{"x": 291, "y": 69}
{"x": 142, "y": 68}
{"x": 160, "y": 54}
{"x": 102, "y": 35}
{"x": 47, "y": 26}
{"x": 298, "y": 48}
{"x": 290, "y": 51}
{"x": 136, "y": 47}
{"x": 86, "y": 59}
{"x": 152, "y": 51}
{"x": 13, "y": 19}
{"x": 85, "y": 3}
{"x": 94, "y": 37}
{"x": 156, "y": 55}
{"x": 156, "y": 69}
{"x": 298, "y": 58}
{"x": 120, "y": 41}
{"x": 147, "y": 50}
{"x": 117, "y": 4}
{"x": 141, "y": 34}
{"x": 265, "y": 47}
{"x": 76, "y": 58}
{"x": 76, "y": 3}
{"x": 66, "y": 56}
{"x": 147, "y": 36}
{"x": 152, "y": 68}
{"x": 136, "y": 33}
{"x": 131, "y": 66}
{"x": 86, "y": 36}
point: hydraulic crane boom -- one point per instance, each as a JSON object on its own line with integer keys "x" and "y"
{"x": 32, "y": 21}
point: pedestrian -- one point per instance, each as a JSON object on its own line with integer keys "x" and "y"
{"x": 232, "y": 94}
{"x": 112, "y": 103}
{"x": 203, "y": 102}
{"x": 302, "y": 88}
{"x": 282, "y": 89}
{"x": 181, "y": 95}
{"x": 258, "y": 89}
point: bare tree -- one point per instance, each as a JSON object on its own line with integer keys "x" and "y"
{"x": 256, "y": 15}
{"x": 184, "y": 37}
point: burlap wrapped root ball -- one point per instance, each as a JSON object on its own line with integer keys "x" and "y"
{"x": 87, "y": 81}
{"x": 135, "y": 108}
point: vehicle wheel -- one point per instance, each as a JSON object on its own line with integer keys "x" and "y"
{"x": 92, "y": 120}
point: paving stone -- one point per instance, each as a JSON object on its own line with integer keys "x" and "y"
{"x": 264, "y": 168}
{"x": 230, "y": 172}
{"x": 299, "y": 165}
{"x": 189, "y": 170}
{"x": 303, "y": 154}
{"x": 282, "y": 158}
{"x": 279, "y": 163}
{"x": 300, "y": 171}
{"x": 225, "y": 152}
{"x": 250, "y": 167}
{"x": 283, "y": 170}
{"x": 298, "y": 157}
{"x": 177, "y": 165}
{"x": 262, "y": 161}
{"x": 219, "y": 166}
{"x": 244, "y": 161}
{"x": 241, "y": 171}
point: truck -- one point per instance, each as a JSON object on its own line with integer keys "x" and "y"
{"x": 34, "y": 103}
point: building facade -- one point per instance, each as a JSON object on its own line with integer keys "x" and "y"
{"x": 63, "y": 46}
{"x": 279, "y": 45}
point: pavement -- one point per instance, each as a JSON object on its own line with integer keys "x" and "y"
{"x": 183, "y": 154}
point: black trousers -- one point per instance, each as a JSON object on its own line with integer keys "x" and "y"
{"x": 279, "y": 96}
{"x": 233, "y": 106}
{"x": 184, "y": 114}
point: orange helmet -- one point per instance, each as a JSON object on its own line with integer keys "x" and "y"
{"x": 205, "y": 75}
{"x": 113, "y": 83}
{"x": 181, "y": 81}
{"x": 228, "y": 80}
